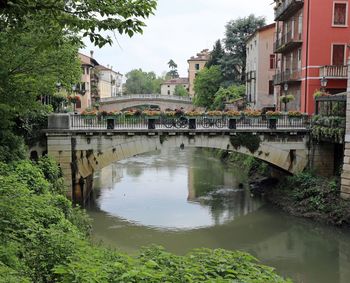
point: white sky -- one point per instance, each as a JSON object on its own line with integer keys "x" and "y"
{"x": 178, "y": 30}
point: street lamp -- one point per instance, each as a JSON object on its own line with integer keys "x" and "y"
{"x": 285, "y": 87}
{"x": 324, "y": 82}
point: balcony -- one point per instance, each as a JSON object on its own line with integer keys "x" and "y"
{"x": 334, "y": 72}
{"x": 287, "y": 76}
{"x": 250, "y": 75}
{"x": 287, "y": 42}
{"x": 287, "y": 8}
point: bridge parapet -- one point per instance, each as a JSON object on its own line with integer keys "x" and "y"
{"x": 147, "y": 97}
{"x": 177, "y": 123}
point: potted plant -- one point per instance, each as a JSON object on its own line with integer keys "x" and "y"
{"x": 215, "y": 114}
{"x": 88, "y": 114}
{"x": 285, "y": 99}
{"x": 272, "y": 117}
{"x": 191, "y": 116}
{"x": 151, "y": 114}
{"x": 232, "y": 116}
{"x": 74, "y": 100}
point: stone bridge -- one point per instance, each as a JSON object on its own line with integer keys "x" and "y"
{"x": 119, "y": 103}
{"x": 81, "y": 148}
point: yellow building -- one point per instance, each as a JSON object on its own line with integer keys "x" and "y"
{"x": 195, "y": 64}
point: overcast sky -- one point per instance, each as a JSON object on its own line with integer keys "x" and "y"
{"x": 178, "y": 30}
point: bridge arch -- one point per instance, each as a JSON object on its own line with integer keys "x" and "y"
{"x": 89, "y": 153}
{"x": 135, "y": 100}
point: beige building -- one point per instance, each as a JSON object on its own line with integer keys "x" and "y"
{"x": 109, "y": 82}
{"x": 260, "y": 68}
{"x": 195, "y": 64}
{"x": 97, "y": 82}
{"x": 168, "y": 87}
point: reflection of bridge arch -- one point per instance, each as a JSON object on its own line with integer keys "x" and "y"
{"x": 163, "y": 102}
{"x": 81, "y": 153}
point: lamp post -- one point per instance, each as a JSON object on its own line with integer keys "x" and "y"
{"x": 324, "y": 82}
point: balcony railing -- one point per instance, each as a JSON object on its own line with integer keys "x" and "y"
{"x": 337, "y": 72}
{"x": 251, "y": 75}
{"x": 285, "y": 8}
{"x": 288, "y": 75}
{"x": 287, "y": 42}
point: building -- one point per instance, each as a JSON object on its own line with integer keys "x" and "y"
{"x": 83, "y": 90}
{"x": 168, "y": 87}
{"x": 260, "y": 68}
{"x": 195, "y": 64}
{"x": 311, "y": 42}
{"x": 109, "y": 82}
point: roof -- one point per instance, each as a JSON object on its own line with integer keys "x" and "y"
{"x": 176, "y": 81}
{"x": 267, "y": 27}
{"x": 86, "y": 60}
{"x": 103, "y": 68}
{"x": 204, "y": 55}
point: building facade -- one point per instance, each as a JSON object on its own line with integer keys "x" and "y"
{"x": 311, "y": 46}
{"x": 84, "y": 89}
{"x": 195, "y": 64}
{"x": 109, "y": 82}
{"x": 260, "y": 68}
{"x": 168, "y": 87}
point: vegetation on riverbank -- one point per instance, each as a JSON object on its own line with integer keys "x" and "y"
{"x": 44, "y": 239}
{"x": 310, "y": 196}
{"x": 302, "y": 195}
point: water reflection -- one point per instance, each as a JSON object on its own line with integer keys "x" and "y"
{"x": 168, "y": 199}
{"x": 144, "y": 191}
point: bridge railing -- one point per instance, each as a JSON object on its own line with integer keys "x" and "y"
{"x": 283, "y": 122}
{"x": 147, "y": 97}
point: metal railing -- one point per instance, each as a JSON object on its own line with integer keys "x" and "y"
{"x": 334, "y": 71}
{"x": 283, "y": 122}
{"x": 285, "y": 5}
{"x": 286, "y": 39}
{"x": 147, "y": 97}
{"x": 287, "y": 75}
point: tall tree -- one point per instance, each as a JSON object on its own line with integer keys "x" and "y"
{"x": 237, "y": 32}
{"x": 216, "y": 55}
{"x": 206, "y": 84}
{"x": 87, "y": 17}
{"x": 140, "y": 82}
{"x": 173, "y": 73}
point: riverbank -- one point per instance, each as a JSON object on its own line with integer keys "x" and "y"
{"x": 310, "y": 196}
{"x": 303, "y": 195}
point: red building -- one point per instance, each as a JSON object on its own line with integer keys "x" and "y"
{"x": 312, "y": 39}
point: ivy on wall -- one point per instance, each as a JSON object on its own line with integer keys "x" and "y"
{"x": 328, "y": 128}
{"x": 250, "y": 141}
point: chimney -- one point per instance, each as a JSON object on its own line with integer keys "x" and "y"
{"x": 107, "y": 66}
{"x": 111, "y": 67}
{"x": 91, "y": 53}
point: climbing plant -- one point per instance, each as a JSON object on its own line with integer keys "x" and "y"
{"x": 250, "y": 141}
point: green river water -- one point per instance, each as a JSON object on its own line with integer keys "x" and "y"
{"x": 185, "y": 199}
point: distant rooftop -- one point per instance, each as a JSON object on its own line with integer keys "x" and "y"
{"x": 177, "y": 81}
{"x": 204, "y": 55}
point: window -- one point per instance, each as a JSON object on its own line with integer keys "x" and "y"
{"x": 168, "y": 85}
{"x": 168, "y": 92}
{"x": 340, "y": 14}
{"x": 272, "y": 61}
{"x": 196, "y": 66}
{"x": 87, "y": 70}
{"x": 338, "y": 56}
{"x": 271, "y": 88}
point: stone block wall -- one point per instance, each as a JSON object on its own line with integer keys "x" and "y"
{"x": 345, "y": 177}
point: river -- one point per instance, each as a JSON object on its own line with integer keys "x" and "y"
{"x": 185, "y": 199}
